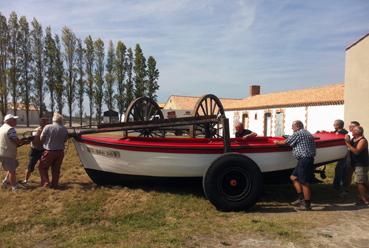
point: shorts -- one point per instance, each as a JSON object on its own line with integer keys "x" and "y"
{"x": 361, "y": 174}
{"x": 9, "y": 164}
{"x": 34, "y": 156}
{"x": 304, "y": 170}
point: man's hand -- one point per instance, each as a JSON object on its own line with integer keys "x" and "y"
{"x": 279, "y": 142}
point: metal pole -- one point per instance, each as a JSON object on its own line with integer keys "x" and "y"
{"x": 226, "y": 136}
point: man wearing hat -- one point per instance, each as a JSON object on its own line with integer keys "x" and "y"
{"x": 8, "y": 149}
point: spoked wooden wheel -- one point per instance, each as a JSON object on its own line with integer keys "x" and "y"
{"x": 144, "y": 109}
{"x": 208, "y": 105}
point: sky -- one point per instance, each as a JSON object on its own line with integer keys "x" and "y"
{"x": 215, "y": 46}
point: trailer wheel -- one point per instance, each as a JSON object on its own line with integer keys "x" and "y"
{"x": 233, "y": 182}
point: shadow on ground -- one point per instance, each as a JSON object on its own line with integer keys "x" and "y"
{"x": 275, "y": 199}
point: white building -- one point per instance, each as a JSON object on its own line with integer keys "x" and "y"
{"x": 272, "y": 114}
{"x": 33, "y": 114}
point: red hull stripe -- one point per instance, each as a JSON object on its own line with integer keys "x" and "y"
{"x": 195, "y": 148}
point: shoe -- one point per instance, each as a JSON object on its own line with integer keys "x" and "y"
{"x": 5, "y": 181}
{"x": 361, "y": 203}
{"x": 297, "y": 202}
{"x": 343, "y": 194}
{"x": 22, "y": 185}
{"x": 304, "y": 207}
{"x": 4, "y": 184}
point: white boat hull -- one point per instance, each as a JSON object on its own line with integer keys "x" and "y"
{"x": 161, "y": 164}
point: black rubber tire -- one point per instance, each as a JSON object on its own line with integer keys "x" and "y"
{"x": 233, "y": 182}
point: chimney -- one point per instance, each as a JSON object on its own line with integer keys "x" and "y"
{"x": 254, "y": 90}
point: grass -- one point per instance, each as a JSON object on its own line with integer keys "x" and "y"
{"x": 80, "y": 214}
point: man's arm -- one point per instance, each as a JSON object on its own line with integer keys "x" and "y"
{"x": 360, "y": 146}
{"x": 43, "y": 134}
{"x": 291, "y": 140}
{"x": 252, "y": 134}
{"x": 13, "y": 137}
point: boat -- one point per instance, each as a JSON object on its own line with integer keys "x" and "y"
{"x": 232, "y": 170}
{"x": 114, "y": 160}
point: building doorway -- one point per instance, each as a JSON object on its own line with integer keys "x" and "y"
{"x": 245, "y": 120}
{"x": 267, "y": 124}
{"x": 279, "y": 127}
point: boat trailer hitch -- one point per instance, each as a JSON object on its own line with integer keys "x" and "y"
{"x": 321, "y": 172}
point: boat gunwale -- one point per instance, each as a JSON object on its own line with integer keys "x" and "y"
{"x": 237, "y": 145}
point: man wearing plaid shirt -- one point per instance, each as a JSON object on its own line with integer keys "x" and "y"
{"x": 303, "y": 149}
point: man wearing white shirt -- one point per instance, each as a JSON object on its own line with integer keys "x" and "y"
{"x": 8, "y": 149}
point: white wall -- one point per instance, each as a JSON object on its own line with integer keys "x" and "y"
{"x": 256, "y": 125}
{"x": 292, "y": 114}
{"x": 33, "y": 117}
{"x": 314, "y": 118}
{"x": 322, "y": 117}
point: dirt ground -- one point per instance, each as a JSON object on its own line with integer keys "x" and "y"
{"x": 159, "y": 216}
{"x": 336, "y": 224}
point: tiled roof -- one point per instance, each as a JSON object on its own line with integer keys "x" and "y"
{"x": 161, "y": 105}
{"x": 189, "y": 102}
{"x": 21, "y": 106}
{"x": 330, "y": 94}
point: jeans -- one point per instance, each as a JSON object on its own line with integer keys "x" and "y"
{"x": 340, "y": 175}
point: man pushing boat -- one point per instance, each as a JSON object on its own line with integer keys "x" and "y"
{"x": 304, "y": 150}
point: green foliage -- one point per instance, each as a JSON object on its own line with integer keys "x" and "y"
{"x": 89, "y": 62}
{"x": 139, "y": 68}
{"x": 129, "y": 86}
{"x": 153, "y": 76}
{"x": 120, "y": 73}
{"x": 25, "y": 65}
{"x": 110, "y": 78}
{"x": 59, "y": 76}
{"x": 50, "y": 65}
{"x": 34, "y": 67}
{"x": 70, "y": 42}
{"x": 80, "y": 81}
{"x": 37, "y": 44}
{"x": 4, "y": 39}
{"x": 99, "y": 78}
{"x": 14, "y": 57}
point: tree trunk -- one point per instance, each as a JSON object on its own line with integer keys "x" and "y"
{"x": 27, "y": 114}
{"x": 52, "y": 101}
{"x": 70, "y": 115}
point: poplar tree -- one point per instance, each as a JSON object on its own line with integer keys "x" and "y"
{"x": 50, "y": 66}
{"x": 139, "y": 69}
{"x": 152, "y": 78}
{"x": 120, "y": 73}
{"x": 69, "y": 42}
{"x": 99, "y": 77}
{"x": 4, "y": 39}
{"x": 80, "y": 80}
{"x": 89, "y": 62}
{"x": 13, "y": 27}
{"x": 129, "y": 86}
{"x": 37, "y": 44}
{"x": 59, "y": 76}
{"x": 25, "y": 65}
{"x": 109, "y": 78}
